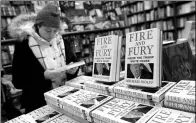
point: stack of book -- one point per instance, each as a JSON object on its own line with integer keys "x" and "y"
{"x": 79, "y": 81}
{"x": 45, "y": 114}
{"x": 123, "y": 111}
{"x": 181, "y": 96}
{"x": 76, "y": 101}
{"x": 101, "y": 87}
{"x": 142, "y": 95}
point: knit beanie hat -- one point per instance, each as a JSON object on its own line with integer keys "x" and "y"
{"x": 49, "y": 16}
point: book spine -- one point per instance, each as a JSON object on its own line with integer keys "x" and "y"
{"x": 132, "y": 92}
{"x": 160, "y": 94}
{"x": 97, "y": 90}
{"x": 98, "y": 121}
{"x": 180, "y": 106}
{"x": 96, "y": 85}
{"x": 139, "y": 100}
{"x": 75, "y": 85}
{"x": 118, "y": 61}
{"x": 184, "y": 99}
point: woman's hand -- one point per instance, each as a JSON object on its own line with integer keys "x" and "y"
{"x": 52, "y": 74}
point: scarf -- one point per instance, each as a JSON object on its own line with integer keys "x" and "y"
{"x": 51, "y": 55}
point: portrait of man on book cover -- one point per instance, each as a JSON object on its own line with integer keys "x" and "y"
{"x": 135, "y": 114}
{"x": 47, "y": 117}
{"x": 93, "y": 101}
{"x": 140, "y": 71}
{"x": 102, "y": 69}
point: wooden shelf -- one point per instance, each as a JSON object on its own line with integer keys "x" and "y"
{"x": 81, "y": 23}
{"x": 93, "y": 31}
{"x": 135, "y": 13}
{"x": 181, "y": 2}
{"x": 186, "y": 14}
{"x": 9, "y": 41}
{"x": 8, "y": 16}
{"x": 169, "y": 30}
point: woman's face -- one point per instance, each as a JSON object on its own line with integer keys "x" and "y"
{"x": 47, "y": 33}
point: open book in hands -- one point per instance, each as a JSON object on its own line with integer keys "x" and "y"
{"x": 70, "y": 66}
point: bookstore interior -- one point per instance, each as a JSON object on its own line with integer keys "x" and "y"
{"x": 80, "y": 61}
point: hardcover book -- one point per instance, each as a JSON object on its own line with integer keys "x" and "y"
{"x": 144, "y": 58}
{"x": 155, "y": 95}
{"x": 106, "y": 66}
{"x": 70, "y": 66}
{"x": 166, "y": 115}
{"x": 178, "y": 62}
{"x": 179, "y": 106}
{"x": 85, "y": 101}
{"x": 44, "y": 114}
{"x": 183, "y": 92}
{"x": 98, "y": 85}
{"x": 40, "y": 115}
{"x": 21, "y": 119}
{"x": 97, "y": 90}
{"x": 79, "y": 81}
{"x": 123, "y": 111}
{"x": 63, "y": 119}
{"x": 58, "y": 93}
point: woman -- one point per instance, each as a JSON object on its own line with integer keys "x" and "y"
{"x": 40, "y": 51}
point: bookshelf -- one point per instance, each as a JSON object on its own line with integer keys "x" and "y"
{"x": 164, "y": 14}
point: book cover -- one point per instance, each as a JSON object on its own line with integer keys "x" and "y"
{"x": 123, "y": 111}
{"x": 70, "y": 66}
{"x": 166, "y": 115}
{"x": 106, "y": 66}
{"x": 85, "y": 101}
{"x": 64, "y": 107}
{"x": 143, "y": 58}
{"x": 58, "y": 93}
{"x": 180, "y": 106}
{"x": 155, "y": 95}
{"x": 139, "y": 100}
{"x": 63, "y": 119}
{"x": 79, "y": 81}
{"x": 183, "y": 92}
{"x": 21, "y": 119}
{"x": 178, "y": 62}
{"x": 42, "y": 112}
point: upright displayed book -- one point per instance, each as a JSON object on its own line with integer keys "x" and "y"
{"x": 123, "y": 111}
{"x": 106, "y": 66}
{"x": 178, "y": 62}
{"x": 83, "y": 102}
{"x": 181, "y": 96}
{"x": 142, "y": 95}
{"x": 143, "y": 58}
{"x": 166, "y": 115}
